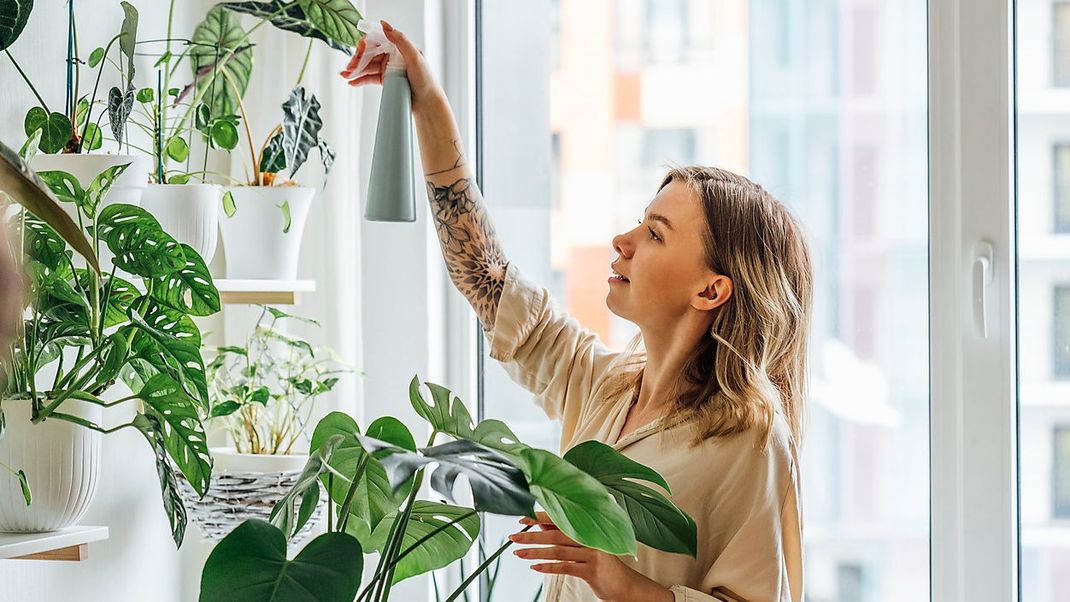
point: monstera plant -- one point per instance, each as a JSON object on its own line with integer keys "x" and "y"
{"x": 595, "y": 495}
{"x": 84, "y": 331}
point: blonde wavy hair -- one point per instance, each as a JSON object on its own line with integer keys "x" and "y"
{"x": 753, "y": 365}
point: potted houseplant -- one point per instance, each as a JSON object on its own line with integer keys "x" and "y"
{"x": 262, "y": 394}
{"x": 82, "y": 332}
{"x": 63, "y": 139}
{"x": 263, "y": 217}
{"x": 595, "y": 495}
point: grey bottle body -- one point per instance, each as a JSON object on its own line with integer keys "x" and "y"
{"x": 391, "y": 197}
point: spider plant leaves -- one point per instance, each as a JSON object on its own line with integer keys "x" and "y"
{"x": 301, "y": 127}
{"x": 497, "y": 485}
{"x": 287, "y": 16}
{"x": 183, "y": 433}
{"x": 336, "y": 18}
{"x": 13, "y": 17}
{"x": 251, "y": 565}
{"x": 222, "y": 62}
{"x": 21, "y": 184}
{"x": 656, "y": 521}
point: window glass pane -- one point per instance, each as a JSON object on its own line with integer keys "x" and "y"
{"x": 823, "y": 102}
{"x": 1043, "y": 219}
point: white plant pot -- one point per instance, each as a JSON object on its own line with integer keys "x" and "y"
{"x": 244, "y": 486}
{"x": 128, "y": 188}
{"x": 254, "y": 243}
{"x": 62, "y": 465}
{"x": 188, "y": 212}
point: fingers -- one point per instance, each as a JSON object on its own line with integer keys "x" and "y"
{"x": 542, "y": 519}
{"x": 549, "y": 537}
{"x": 564, "y": 553}
{"x": 411, "y": 54}
{"x": 575, "y": 569}
{"x": 375, "y": 65}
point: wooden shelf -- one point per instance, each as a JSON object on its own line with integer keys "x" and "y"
{"x": 267, "y": 292}
{"x": 71, "y": 544}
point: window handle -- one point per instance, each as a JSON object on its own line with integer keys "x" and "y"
{"x": 982, "y": 277}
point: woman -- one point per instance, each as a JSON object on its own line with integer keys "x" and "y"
{"x": 717, "y": 277}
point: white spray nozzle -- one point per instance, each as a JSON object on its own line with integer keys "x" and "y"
{"x": 376, "y": 43}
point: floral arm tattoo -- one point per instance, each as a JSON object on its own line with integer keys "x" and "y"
{"x": 470, "y": 246}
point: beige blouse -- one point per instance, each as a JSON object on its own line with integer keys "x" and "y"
{"x": 745, "y": 500}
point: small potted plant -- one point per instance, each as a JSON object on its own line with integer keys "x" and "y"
{"x": 262, "y": 394}
{"x": 264, "y": 215}
{"x": 63, "y": 139}
{"x": 82, "y": 333}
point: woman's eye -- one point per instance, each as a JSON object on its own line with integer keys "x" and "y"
{"x": 653, "y": 234}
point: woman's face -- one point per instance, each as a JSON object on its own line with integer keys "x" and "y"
{"x": 663, "y": 259}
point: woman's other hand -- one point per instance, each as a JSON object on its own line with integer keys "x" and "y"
{"x": 425, "y": 90}
{"x": 608, "y": 577}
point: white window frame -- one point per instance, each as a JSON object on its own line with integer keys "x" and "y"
{"x": 973, "y": 419}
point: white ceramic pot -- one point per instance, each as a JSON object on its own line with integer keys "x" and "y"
{"x": 244, "y": 486}
{"x": 62, "y": 465}
{"x": 188, "y": 212}
{"x": 254, "y": 243}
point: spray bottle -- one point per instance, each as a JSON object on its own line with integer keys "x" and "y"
{"x": 391, "y": 196}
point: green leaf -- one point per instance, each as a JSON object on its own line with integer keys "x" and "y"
{"x": 224, "y": 408}
{"x": 260, "y": 395}
{"x": 327, "y": 156}
{"x": 287, "y": 219}
{"x": 336, "y": 18}
{"x": 250, "y": 565}
{"x": 578, "y": 504}
{"x": 497, "y": 485}
{"x": 224, "y": 134}
{"x": 306, "y": 487}
{"x": 273, "y": 160}
{"x": 446, "y": 418}
{"x": 25, "y": 486}
{"x": 184, "y": 436}
{"x": 56, "y": 129}
{"x": 164, "y": 60}
{"x": 13, "y": 17}
{"x": 42, "y": 243}
{"x": 96, "y": 57}
{"x": 279, "y": 314}
{"x": 119, "y": 107}
{"x": 374, "y": 497}
{"x": 140, "y": 245}
{"x": 128, "y": 39}
{"x": 220, "y": 45}
{"x": 178, "y": 148}
{"x": 31, "y": 147}
{"x": 81, "y": 113}
{"x": 99, "y": 187}
{"x": 94, "y": 139}
{"x": 657, "y": 522}
{"x": 170, "y": 341}
{"x": 301, "y": 125}
{"x": 27, "y": 189}
{"x": 287, "y": 16}
{"x": 450, "y": 543}
{"x": 153, "y": 430}
{"x": 146, "y": 95}
{"x": 190, "y": 287}
{"x": 65, "y": 186}
{"x": 202, "y": 118}
{"x": 181, "y": 178}
{"x": 229, "y": 207}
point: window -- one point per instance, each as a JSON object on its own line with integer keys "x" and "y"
{"x": 1060, "y": 43}
{"x": 1061, "y": 332}
{"x": 1060, "y": 460}
{"x": 1061, "y": 188}
{"x": 666, "y": 30}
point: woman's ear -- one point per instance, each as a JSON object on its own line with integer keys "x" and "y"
{"x": 717, "y": 292}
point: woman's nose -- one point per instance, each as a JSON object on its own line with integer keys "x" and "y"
{"x": 622, "y": 245}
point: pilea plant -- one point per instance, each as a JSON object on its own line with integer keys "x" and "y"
{"x": 96, "y": 329}
{"x": 74, "y": 130}
{"x": 594, "y": 494}
{"x": 263, "y": 392}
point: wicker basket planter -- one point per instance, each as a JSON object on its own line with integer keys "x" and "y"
{"x": 244, "y": 486}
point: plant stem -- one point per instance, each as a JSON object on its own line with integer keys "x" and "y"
{"x": 91, "y": 425}
{"x": 96, "y": 86}
{"x": 26, "y": 79}
{"x": 486, "y": 563}
{"x": 247, "y": 127}
{"x": 433, "y": 533}
{"x": 304, "y": 65}
{"x": 358, "y": 474}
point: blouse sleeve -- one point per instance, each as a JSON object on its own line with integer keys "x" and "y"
{"x": 545, "y": 350}
{"x": 762, "y": 561}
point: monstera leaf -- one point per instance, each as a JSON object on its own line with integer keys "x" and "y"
{"x": 140, "y": 245}
{"x": 441, "y": 534}
{"x": 189, "y": 288}
{"x": 22, "y": 185}
{"x": 306, "y": 488}
{"x": 183, "y": 433}
{"x": 251, "y": 565}
{"x": 301, "y": 125}
{"x": 222, "y": 60}
{"x": 13, "y": 17}
{"x": 153, "y": 430}
{"x": 287, "y": 16}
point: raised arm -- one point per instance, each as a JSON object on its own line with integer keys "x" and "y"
{"x": 470, "y": 246}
